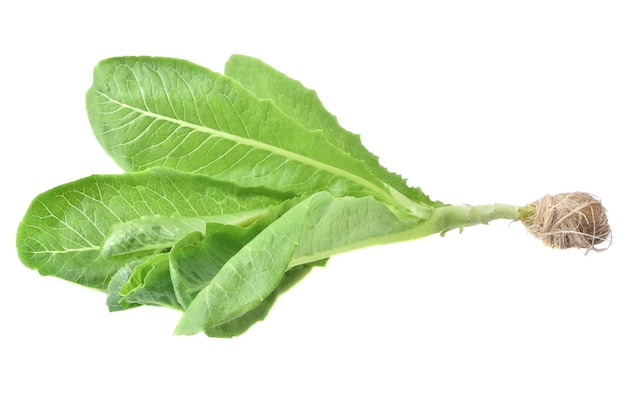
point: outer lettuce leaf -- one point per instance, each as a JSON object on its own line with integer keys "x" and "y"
{"x": 303, "y": 105}
{"x": 62, "y": 232}
{"x": 148, "y": 112}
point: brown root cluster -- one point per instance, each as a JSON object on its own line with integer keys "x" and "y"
{"x": 570, "y": 220}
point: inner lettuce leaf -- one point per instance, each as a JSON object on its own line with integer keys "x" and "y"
{"x": 150, "y": 284}
{"x": 197, "y": 259}
{"x": 313, "y": 230}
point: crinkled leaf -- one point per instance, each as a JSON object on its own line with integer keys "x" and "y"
{"x": 114, "y": 301}
{"x": 197, "y": 259}
{"x": 149, "y": 232}
{"x": 248, "y": 277}
{"x": 195, "y": 262}
{"x": 185, "y": 257}
{"x": 150, "y": 284}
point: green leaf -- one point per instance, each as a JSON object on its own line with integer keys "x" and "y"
{"x": 248, "y": 277}
{"x": 312, "y": 230}
{"x": 149, "y": 233}
{"x": 338, "y": 225}
{"x": 149, "y": 112}
{"x": 159, "y": 232}
{"x": 185, "y": 257}
{"x": 150, "y": 284}
{"x": 114, "y": 301}
{"x": 195, "y": 261}
{"x": 64, "y": 228}
{"x": 241, "y": 324}
{"x": 303, "y": 105}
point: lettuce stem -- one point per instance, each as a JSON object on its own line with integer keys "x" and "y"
{"x": 444, "y": 219}
{"x": 441, "y": 220}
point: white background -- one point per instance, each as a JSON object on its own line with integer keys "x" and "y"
{"x": 474, "y": 101}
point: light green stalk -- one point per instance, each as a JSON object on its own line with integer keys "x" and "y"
{"x": 451, "y": 217}
{"x": 441, "y": 220}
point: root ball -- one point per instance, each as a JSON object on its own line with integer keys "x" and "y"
{"x": 570, "y": 220}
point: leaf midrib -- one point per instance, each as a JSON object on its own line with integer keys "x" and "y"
{"x": 66, "y": 250}
{"x": 259, "y": 145}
